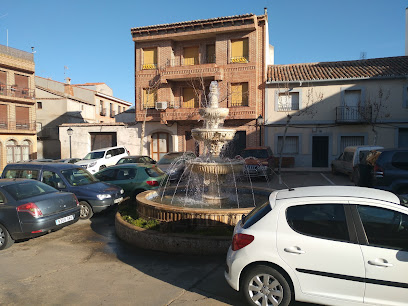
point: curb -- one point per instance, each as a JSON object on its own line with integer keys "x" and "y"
{"x": 170, "y": 243}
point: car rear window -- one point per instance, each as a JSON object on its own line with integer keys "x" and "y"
{"x": 28, "y": 189}
{"x": 78, "y": 177}
{"x": 400, "y": 160}
{"x": 154, "y": 172}
{"x": 256, "y": 214}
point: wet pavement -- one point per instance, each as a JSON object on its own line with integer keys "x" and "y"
{"x": 87, "y": 264}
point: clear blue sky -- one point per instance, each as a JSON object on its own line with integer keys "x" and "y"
{"x": 92, "y": 38}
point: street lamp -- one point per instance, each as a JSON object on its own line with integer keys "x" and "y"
{"x": 70, "y": 132}
{"x": 260, "y": 122}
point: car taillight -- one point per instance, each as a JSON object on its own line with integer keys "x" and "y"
{"x": 241, "y": 240}
{"x": 31, "y": 208}
{"x": 378, "y": 170}
{"x": 76, "y": 200}
{"x": 153, "y": 183}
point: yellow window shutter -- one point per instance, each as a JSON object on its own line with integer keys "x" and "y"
{"x": 236, "y": 94}
{"x": 149, "y": 58}
{"x": 149, "y": 98}
{"x": 188, "y": 97}
{"x": 239, "y": 50}
{"x": 191, "y": 56}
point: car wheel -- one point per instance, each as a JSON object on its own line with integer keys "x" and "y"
{"x": 102, "y": 167}
{"x": 5, "y": 239}
{"x": 264, "y": 285}
{"x": 86, "y": 210}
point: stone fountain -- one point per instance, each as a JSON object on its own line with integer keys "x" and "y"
{"x": 203, "y": 199}
{"x": 214, "y": 137}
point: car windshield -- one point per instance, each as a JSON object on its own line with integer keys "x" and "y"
{"x": 28, "y": 189}
{"x": 255, "y": 153}
{"x": 94, "y": 155}
{"x": 78, "y": 177}
{"x": 128, "y": 160}
{"x": 154, "y": 172}
{"x": 169, "y": 158}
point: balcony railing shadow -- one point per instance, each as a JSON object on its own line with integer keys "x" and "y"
{"x": 353, "y": 114}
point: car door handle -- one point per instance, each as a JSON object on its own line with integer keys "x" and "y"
{"x": 379, "y": 262}
{"x": 294, "y": 250}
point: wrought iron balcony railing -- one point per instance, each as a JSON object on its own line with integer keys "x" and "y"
{"x": 14, "y": 91}
{"x": 353, "y": 114}
{"x": 12, "y": 125}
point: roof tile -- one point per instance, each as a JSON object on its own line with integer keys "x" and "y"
{"x": 368, "y": 68}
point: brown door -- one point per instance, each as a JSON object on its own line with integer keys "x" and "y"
{"x": 159, "y": 145}
{"x": 102, "y": 140}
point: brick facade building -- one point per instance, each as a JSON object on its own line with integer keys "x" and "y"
{"x": 174, "y": 65}
{"x": 18, "y": 140}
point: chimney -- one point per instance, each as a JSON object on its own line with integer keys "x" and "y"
{"x": 67, "y": 81}
{"x": 265, "y": 11}
{"x": 406, "y": 31}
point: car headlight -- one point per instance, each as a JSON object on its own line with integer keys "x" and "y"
{"x": 92, "y": 164}
{"x": 103, "y": 196}
{"x": 122, "y": 191}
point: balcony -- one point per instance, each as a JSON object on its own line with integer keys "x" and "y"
{"x": 20, "y": 126}
{"x": 239, "y": 59}
{"x": 353, "y": 114}
{"x": 15, "y": 92}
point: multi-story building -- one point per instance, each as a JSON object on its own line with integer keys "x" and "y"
{"x": 107, "y": 106}
{"x": 18, "y": 140}
{"x": 59, "y": 103}
{"x": 174, "y": 65}
{"x": 331, "y": 105}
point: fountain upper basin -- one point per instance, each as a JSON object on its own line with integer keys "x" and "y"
{"x": 213, "y": 134}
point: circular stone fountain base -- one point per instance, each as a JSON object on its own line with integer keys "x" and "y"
{"x": 212, "y": 200}
{"x": 197, "y": 216}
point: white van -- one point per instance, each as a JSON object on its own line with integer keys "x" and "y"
{"x": 99, "y": 159}
{"x": 348, "y": 160}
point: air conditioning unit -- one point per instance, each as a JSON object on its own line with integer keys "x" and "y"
{"x": 161, "y": 105}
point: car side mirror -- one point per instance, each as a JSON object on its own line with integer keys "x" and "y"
{"x": 61, "y": 185}
{"x": 108, "y": 156}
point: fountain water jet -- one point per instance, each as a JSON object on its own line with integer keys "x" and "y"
{"x": 214, "y": 137}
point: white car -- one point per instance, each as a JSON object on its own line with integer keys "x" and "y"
{"x": 331, "y": 245}
{"x": 99, "y": 159}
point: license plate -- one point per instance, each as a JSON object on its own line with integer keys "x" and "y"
{"x": 65, "y": 219}
{"x": 117, "y": 200}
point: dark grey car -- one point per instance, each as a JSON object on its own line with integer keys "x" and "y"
{"x": 390, "y": 171}
{"x": 29, "y": 208}
{"x": 174, "y": 164}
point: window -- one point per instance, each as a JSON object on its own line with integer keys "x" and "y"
{"x": 384, "y": 227}
{"x": 3, "y": 83}
{"x": 291, "y": 144}
{"x": 29, "y": 174}
{"x": 3, "y": 116}
{"x": 118, "y": 109}
{"x": 21, "y": 86}
{"x": 239, "y": 51}
{"x": 39, "y": 105}
{"x": 327, "y": 221}
{"x": 149, "y": 58}
{"x": 106, "y": 175}
{"x": 22, "y": 118}
{"x": 189, "y": 98}
{"x": 125, "y": 174}
{"x": 348, "y": 141}
{"x": 52, "y": 179}
{"x": 191, "y": 56}
{"x": 111, "y": 111}
{"x": 239, "y": 94}
{"x": 210, "y": 53}
{"x": 149, "y": 98}
{"x": 160, "y": 145}
{"x": 288, "y": 101}
{"x": 102, "y": 110}
{"x": 16, "y": 153}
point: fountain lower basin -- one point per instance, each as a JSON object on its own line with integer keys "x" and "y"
{"x": 204, "y": 215}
